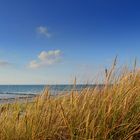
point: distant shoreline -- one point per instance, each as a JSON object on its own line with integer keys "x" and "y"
{"x": 17, "y": 99}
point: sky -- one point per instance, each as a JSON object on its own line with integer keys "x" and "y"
{"x": 53, "y": 41}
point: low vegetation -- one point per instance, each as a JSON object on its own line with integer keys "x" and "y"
{"x": 111, "y": 112}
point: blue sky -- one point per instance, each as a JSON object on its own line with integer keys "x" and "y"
{"x": 52, "y": 41}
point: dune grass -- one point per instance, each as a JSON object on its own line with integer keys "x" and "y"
{"x": 108, "y": 113}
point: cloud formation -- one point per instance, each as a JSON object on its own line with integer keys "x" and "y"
{"x": 4, "y": 63}
{"x": 46, "y": 59}
{"x": 42, "y": 30}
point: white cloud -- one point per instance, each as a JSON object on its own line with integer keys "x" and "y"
{"x": 4, "y": 63}
{"x": 46, "y": 59}
{"x": 34, "y": 64}
{"x": 43, "y": 31}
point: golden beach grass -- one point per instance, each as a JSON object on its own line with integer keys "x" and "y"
{"x": 108, "y": 113}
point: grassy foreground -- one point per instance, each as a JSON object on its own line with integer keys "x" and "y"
{"x": 109, "y": 113}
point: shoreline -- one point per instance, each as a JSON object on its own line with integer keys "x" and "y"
{"x": 17, "y": 99}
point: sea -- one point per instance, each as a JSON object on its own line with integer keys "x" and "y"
{"x": 23, "y": 91}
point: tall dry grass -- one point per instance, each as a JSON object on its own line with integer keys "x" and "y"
{"x": 108, "y": 113}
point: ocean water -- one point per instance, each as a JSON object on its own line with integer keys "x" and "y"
{"x": 20, "y": 91}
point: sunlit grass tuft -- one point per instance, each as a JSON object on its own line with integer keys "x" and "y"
{"x": 108, "y": 113}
